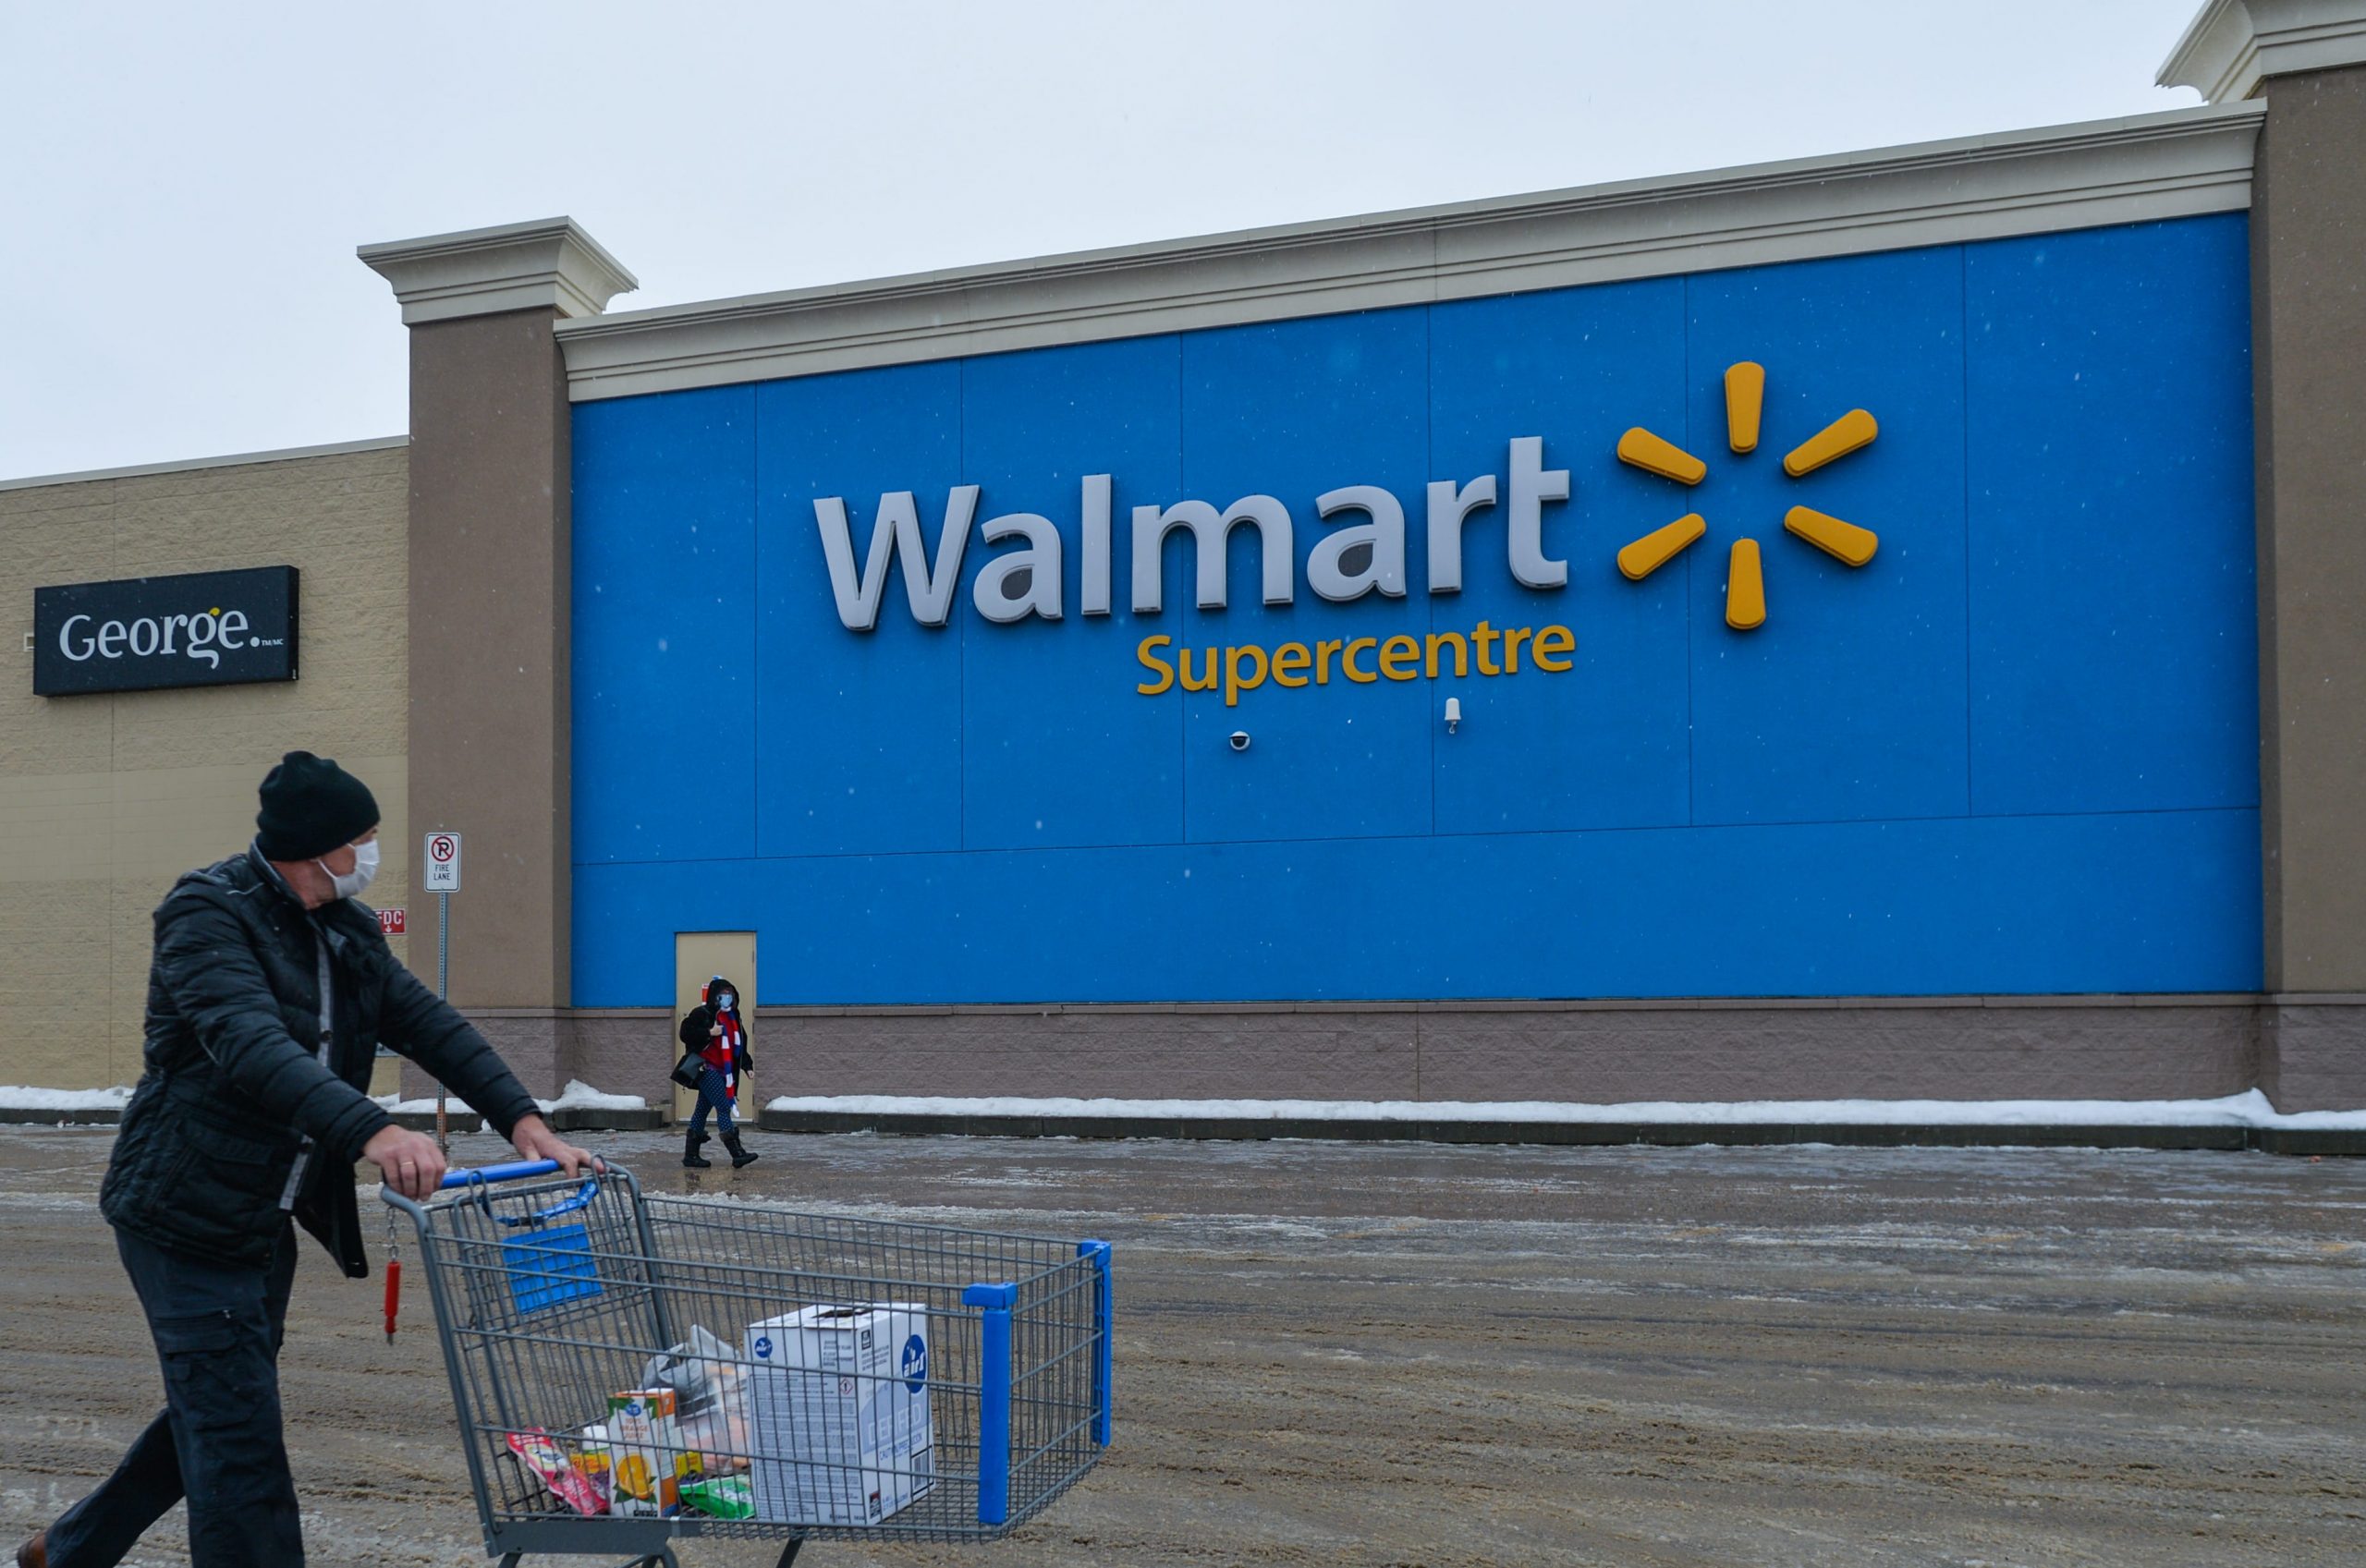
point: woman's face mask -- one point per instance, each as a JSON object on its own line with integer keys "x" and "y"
{"x": 725, "y": 1002}
{"x": 365, "y": 870}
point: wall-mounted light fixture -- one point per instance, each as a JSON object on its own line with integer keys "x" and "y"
{"x": 1453, "y": 713}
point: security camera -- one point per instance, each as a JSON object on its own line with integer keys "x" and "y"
{"x": 1239, "y": 739}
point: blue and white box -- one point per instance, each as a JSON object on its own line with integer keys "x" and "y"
{"x": 838, "y": 1413}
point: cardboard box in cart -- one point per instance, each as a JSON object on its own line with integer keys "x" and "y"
{"x": 647, "y": 1463}
{"x": 838, "y": 1413}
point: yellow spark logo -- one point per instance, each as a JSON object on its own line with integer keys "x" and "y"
{"x": 1745, "y": 585}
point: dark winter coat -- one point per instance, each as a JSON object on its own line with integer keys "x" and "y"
{"x": 699, "y": 1019}
{"x": 233, "y": 1081}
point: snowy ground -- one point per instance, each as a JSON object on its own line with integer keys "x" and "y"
{"x": 1363, "y": 1355}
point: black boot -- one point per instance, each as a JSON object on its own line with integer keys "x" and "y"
{"x": 738, "y": 1156}
{"x": 690, "y": 1152}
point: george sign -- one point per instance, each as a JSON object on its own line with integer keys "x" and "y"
{"x": 442, "y": 862}
{"x": 144, "y": 634}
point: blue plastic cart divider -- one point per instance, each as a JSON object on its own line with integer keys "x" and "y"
{"x": 551, "y": 1268}
{"x": 994, "y": 1397}
{"x": 1104, "y": 1322}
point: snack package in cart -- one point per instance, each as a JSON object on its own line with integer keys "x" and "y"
{"x": 647, "y": 1463}
{"x": 838, "y": 1411}
{"x": 548, "y": 1460}
{"x": 720, "y": 1497}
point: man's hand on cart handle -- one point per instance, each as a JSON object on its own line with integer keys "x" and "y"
{"x": 409, "y": 1162}
{"x": 534, "y": 1141}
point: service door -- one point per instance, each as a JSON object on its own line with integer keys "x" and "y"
{"x": 697, "y": 956}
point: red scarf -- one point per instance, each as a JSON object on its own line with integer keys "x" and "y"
{"x": 722, "y": 1052}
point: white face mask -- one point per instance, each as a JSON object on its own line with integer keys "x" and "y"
{"x": 365, "y": 870}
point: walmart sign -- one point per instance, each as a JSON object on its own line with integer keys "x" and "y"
{"x": 1363, "y": 555}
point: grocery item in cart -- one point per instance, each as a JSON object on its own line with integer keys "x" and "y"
{"x": 548, "y": 1459}
{"x": 589, "y": 1451}
{"x": 647, "y": 1464}
{"x": 710, "y": 1398}
{"x": 720, "y": 1497}
{"x": 838, "y": 1413}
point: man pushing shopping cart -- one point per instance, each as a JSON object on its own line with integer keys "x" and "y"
{"x": 270, "y": 988}
{"x": 627, "y": 1369}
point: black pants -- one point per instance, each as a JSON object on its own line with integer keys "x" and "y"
{"x": 217, "y": 1440}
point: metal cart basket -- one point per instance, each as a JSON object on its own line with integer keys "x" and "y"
{"x": 828, "y": 1368}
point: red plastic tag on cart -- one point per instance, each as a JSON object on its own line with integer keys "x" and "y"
{"x": 394, "y": 1294}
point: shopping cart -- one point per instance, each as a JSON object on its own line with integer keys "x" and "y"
{"x": 554, "y": 1296}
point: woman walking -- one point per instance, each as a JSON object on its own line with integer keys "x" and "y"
{"x": 713, "y": 1029}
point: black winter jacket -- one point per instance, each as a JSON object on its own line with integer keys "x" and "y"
{"x": 233, "y": 1081}
{"x": 694, "y": 1037}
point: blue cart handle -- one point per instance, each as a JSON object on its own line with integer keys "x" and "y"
{"x": 480, "y": 1182}
{"x": 512, "y": 1172}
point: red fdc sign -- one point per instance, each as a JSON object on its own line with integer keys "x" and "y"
{"x": 391, "y": 921}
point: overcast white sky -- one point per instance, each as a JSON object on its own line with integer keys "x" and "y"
{"x": 182, "y": 186}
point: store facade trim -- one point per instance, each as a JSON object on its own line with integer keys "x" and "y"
{"x": 2232, "y": 46}
{"x": 2179, "y": 163}
{"x": 547, "y": 264}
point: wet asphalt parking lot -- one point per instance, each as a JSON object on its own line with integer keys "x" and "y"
{"x": 1407, "y": 1354}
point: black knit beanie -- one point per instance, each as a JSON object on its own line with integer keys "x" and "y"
{"x": 310, "y": 806}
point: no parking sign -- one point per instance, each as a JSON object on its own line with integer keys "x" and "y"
{"x": 442, "y": 862}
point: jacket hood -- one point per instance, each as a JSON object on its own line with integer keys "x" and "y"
{"x": 717, "y": 987}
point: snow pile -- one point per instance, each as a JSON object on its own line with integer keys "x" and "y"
{"x": 581, "y": 1096}
{"x": 2250, "y": 1108}
{"x": 576, "y": 1096}
{"x": 2247, "y": 1109}
{"x": 63, "y": 1098}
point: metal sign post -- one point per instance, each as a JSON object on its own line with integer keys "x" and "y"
{"x": 442, "y": 860}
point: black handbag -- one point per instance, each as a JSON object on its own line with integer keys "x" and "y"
{"x": 690, "y": 1071}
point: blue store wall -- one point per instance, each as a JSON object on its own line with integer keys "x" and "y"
{"x": 2016, "y": 753}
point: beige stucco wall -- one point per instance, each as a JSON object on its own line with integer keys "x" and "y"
{"x": 105, "y": 799}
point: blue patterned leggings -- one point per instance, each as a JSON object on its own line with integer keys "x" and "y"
{"x": 714, "y": 1095}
